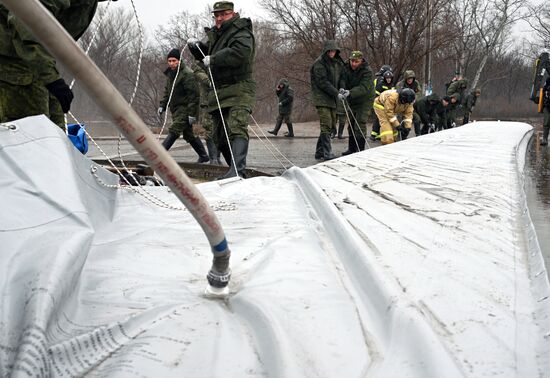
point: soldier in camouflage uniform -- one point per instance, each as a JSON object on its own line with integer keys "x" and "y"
{"x": 358, "y": 95}
{"x": 325, "y": 79}
{"x": 431, "y": 112}
{"x": 205, "y": 118}
{"x": 409, "y": 81}
{"x": 30, "y": 83}
{"x": 229, "y": 55}
{"x": 469, "y": 104}
{"x": 183, "y": 101}
{"x": 285, "y": 95}
{"x": 456, "y": 89}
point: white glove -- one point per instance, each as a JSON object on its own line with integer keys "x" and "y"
{"x": 344, "y": 93}
{"x": 192, "y": 41}
{"x": 160, "y": 110}
{"x": 192, "y": 120}
{"x": 453, "y": 124}
{"x": 206, "y": 61}
{"x": 280, "y": 104}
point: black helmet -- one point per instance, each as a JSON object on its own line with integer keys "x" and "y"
{"x": 383, "y": 69}
{"x": 406, "y": 96}
{"x": 388, "y": 74}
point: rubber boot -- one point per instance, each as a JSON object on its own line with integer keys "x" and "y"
{"x": 170, "y": 140}
{"x": 240, "y": 150}
{"x": 213, "y": 152}
{"x": 327, "y": 147}
{"x": 544, "y": 141}
{"x": 351, "y": 146}
{"x": 199, "y": 149}
{"x": 290, "y": 133}
{"x": 361, "y": 142}
{"x": 224, "y": 149}
{"x": 341, "y": 130}
{"x": 319, "y": 150}
{"x": 277, "y": 127}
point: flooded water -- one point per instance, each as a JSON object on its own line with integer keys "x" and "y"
{"x": 537, "y": 189}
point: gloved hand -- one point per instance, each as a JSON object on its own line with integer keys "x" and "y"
{"x": 344, "y": 93}
{"x": 192, "y": 120}
{"x": 62, "y": 92}
{"x": 453, "y": 124}
{"x": 280, "y": 104}
{"x": 404, "y": 132}
{"x": 191, "y": 42}
{"x": 432, "y": 127}
{"x": 206, "y": 61}
{"x": 160, "y": 110}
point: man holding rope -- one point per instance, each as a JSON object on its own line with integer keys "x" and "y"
{"x": 228, "y": 56}
{"x": 357, "y": 96}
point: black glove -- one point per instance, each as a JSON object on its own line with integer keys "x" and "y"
{"x": 405, "y": 132}
{"x": 62, "y": 92}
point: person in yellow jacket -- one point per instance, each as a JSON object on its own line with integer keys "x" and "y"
{"x": 388, "y": 106}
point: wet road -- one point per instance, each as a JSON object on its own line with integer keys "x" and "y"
{"x": 537, "y": 189}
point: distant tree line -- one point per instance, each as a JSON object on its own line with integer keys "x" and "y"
{"x": 435, "y": 38}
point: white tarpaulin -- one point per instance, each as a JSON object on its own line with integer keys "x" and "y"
{"x": 416, "y": 259}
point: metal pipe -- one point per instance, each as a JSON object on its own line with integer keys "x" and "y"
{"x": 62, "y": 46}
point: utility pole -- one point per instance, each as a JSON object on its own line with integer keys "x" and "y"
{"x": 428, "y": 55}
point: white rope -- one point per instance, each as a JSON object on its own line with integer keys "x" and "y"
{"x": 220, "y": 110}
{"x": 171, "y": 92}
{"x": 272, "y": 145}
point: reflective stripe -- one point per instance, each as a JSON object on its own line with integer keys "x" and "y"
{"x": 389, "y": 132}
{"x": 378, "y": 106}
{"x": 374, "y": 133}
{"x": 407, "y": 120}
{"x": 394, "y": 119}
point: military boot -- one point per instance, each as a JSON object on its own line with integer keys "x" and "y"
{"x": 327, "y": 147}
{"x": 544, "y": 141}
{"x": 199, "y": 149}
{"x": 361, "y": 143}
{"x": 341, "y": 130}
{"x": 213, "y": 152}
{"x": 351, "y": 146}
{"x": 169, "y": 140}
{"x": 240, "y": 150}
{"x": 319, "y": 149}
{"x": 290, "y": 133}
{"x": 277, "y": 127}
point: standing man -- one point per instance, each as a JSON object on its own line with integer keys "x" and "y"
{"x": 357, "y": 96}
{"x": 325, "y": 79}
{"x": 184, "y": 104}
{"x": 285, "y": 95}
{"x": 388, "y": 106}
{"x": 469, "y": 104}
{"x": 30, "y": 83}
{"x": 229, "y": 56}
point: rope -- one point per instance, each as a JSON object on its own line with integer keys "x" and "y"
{"x": 172, "y": 92}
{"x": 272, "y": 145}
{"x": 220, "y": 110}
{"x": 346, "y": 107}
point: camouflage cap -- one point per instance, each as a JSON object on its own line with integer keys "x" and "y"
{"x": 356, "y": 55}
{"x": 222, "y": 6}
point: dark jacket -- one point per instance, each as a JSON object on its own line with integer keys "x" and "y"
{"x": 231, "y": 49}
{"x": 325, "y": 77}
{"x": 285, "y": 95}
{"x": 22, "y": 58}
{"x": 546, "y": 94}
{"x": 415, "y": 86}
{"x": 380, "y": 85}
{"x": 431, "y": 110}
{"x": 458, "y": 88}
{"x": 470, "y": 102}
{"x": 186, "y": 91}
{"x": 360, "y": 85}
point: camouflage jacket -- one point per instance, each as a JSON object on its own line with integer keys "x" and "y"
{"x": 23, "y": 60}
{"x": 431, "y": 110}
{"x": 203, "y": 82}
{"x": 458, "y": 88}
{"x": 360, "y": 85}
{"x": 285, "y": 95}
{"x": 186, "y": 91}
{"x": 325, "y": 77}
{"x": 231, "y": 49}
{"x": 415, "y": 86}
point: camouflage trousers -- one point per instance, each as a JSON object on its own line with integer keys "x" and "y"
{"x": 20, "y": 101}
{"x": 327, "y": 119}
{"x": 358, "y": 123}
{"x": 206, "y": 122}
{"x": 180, "y": 124}
{"x": 236, "y": 124}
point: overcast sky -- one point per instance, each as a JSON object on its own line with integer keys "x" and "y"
{"x": 155, "y": 12}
